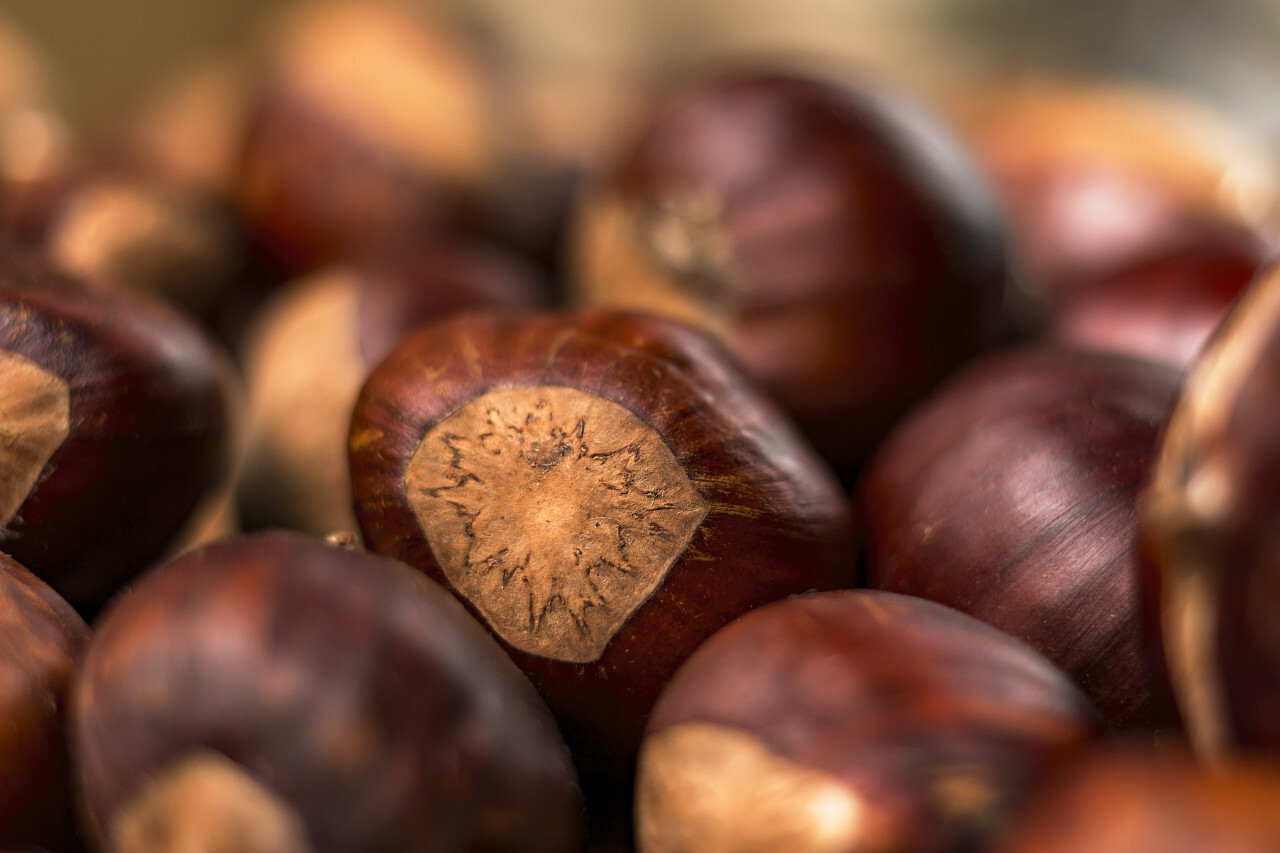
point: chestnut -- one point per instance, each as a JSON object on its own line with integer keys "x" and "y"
{"x": 311, "y": 345}
{"x": 1098, "y": 176}
{"x": 367, "y": 119}
{"x": 119, "y": 416}
{"x": 602, "y": 490}
{"x": 275, "y": 692}
{"x": 1011, "y": 494}
{"x": 1209, "y": 515}
{"x": 852, "y": 720}
{"x": 1127, "y": 799}
{"x": 1165, "y": 306}
{"x": 834, "y": 236}
{"x": 41, "y": 642}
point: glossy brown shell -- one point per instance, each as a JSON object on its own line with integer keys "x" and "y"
{"x": 41, "y": 642}
{"x": 346, "y": 683}
{"x": 842, "y": 244}
{"x": 1011, "y": 495}
{"x": 151, "y": 430}
{"x": 934, "y": 725}
{"x": 777, "y": 523}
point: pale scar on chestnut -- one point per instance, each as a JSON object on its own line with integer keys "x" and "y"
{"x": 719, "y": 790}
{"x": 35, "y": 418}
{"x": 555, "y": 512}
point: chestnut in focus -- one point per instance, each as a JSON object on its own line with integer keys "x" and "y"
{"x": 602, "y": 490}
{"x": 834, "y": 236}
{"x": 1123, "y": 799}
{"x": 277, "y": 693}
{"x": 1209, "y": 519}
{"x": 311, "y": 346}
{"x": 119, "y": 416}
{"x": 1011, "y": 495}
{"x": 41, "y": 642}
{"x": 849, "y": 721}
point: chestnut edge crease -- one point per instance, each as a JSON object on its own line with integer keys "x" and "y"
{"x": 746, "y": 461}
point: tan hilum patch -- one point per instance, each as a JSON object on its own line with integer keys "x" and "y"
{"x": 35, "y": 418}
{"x": 555, "y": 512}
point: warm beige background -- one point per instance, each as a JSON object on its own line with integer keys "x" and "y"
{"x": 1229, "y": 50}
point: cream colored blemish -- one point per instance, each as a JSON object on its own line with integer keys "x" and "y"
{"x": 303, "y": 374}
{"x": 554, "y": 511}
{"x": 650, "y": 261}
{"x": 208, "y": 804}
{"x": 396, "y": 76}
{"x": 713, "y": 789}
{"x": 35, "y": 419}
{"x": 1189, "y": 622}
{"x": 135, "y": 237}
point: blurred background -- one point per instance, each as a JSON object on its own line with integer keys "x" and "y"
{"x": 1227, "y": 51}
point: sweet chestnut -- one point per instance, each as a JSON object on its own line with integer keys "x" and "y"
{"x": 273, "y": 692}
{"x": 118, "y": 412}
{"x": 834, "y": 236}
{"x": 41, "y": 642}
{"x": 1209, "y": 516}
{"x": 603, "y": 490}
{"x": 1011, "y": 494}
{"x": 852, "y": 720}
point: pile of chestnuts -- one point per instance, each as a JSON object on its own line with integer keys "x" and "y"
{"x": 817, "y": 468}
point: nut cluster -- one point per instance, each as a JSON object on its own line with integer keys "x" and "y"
{"x": 400, "y": 453}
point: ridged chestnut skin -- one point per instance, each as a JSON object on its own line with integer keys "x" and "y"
{"x": 41, "y": 642}
{"x": 834, "y": 235}
{"x": 311, "y": 346}
{"x": 1011, "y": 495}
{"x": 775, "y": 523}
{"x": 345, "y": 683}
{"x": 150, "y": 429}
{"x": 1126, "y": 799}
{"x": 853, "y": 720}
{"x": 1208, "y": 527}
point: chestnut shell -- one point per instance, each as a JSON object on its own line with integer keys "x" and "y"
{"x": 835, "y": 236}
{"x": 343, "y": 681}
{"x": 777, "y": 522}
{"x": 41, "y": 642}
{"x": 151, "y": 429}
{"x": 936, "y": 724}
{"x": 1011, "y": 495}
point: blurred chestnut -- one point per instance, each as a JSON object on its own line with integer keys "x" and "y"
{"x": 602, "y": 490}
{"x": 119, "y": 416}
{"x": 311, "y": 346}
{"x": 1122, "y": 799}
{"x": 1102, "y": 175}
{"x": 849, "y": 721}
{"x": 1163, "y": 307}
{"x": 834, "y": 236}
{"x": 41, "y": 641}
{"x": 368, "y": 119}
{"x": 1209, "y": 521}
{"x": 1011, "y": 495}
{"x": 273, "y": 692}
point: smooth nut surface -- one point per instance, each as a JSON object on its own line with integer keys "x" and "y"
{"x": 554, "y": 511}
